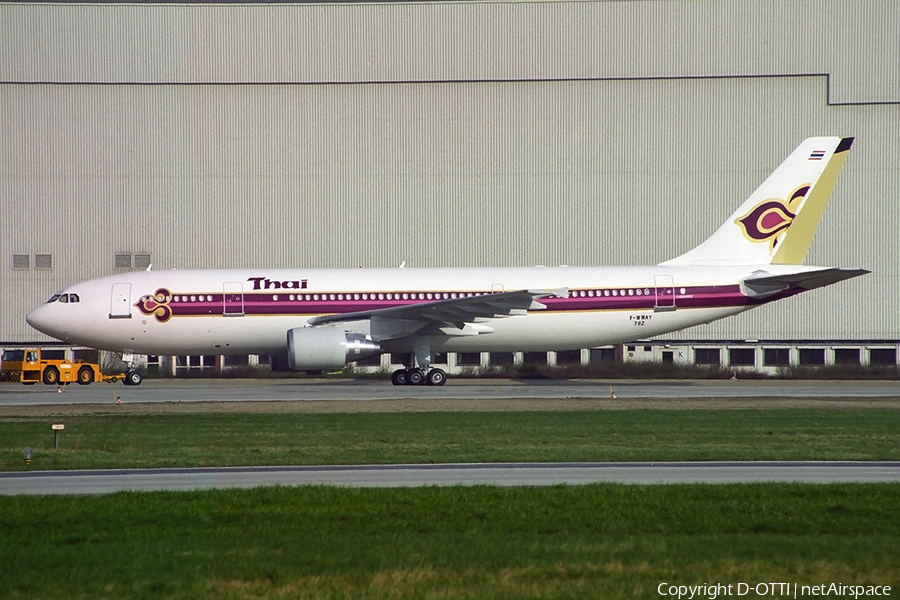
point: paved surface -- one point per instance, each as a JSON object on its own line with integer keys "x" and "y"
{"x": 513, "y": 474}
{"x": 220, "y": 390}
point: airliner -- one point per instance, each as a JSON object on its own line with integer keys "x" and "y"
{"x": 323, "y": 319}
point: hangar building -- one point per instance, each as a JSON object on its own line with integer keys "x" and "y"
{"x": 446, "y": 134}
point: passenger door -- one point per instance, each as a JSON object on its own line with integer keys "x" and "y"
{"x": 665, "y": 293}
{"x": 233, "y": 299}
{"x": 120, "y": 301}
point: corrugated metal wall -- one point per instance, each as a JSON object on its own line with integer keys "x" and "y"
{"x": 461, "y": 173}
{"x": 855, "y": 43}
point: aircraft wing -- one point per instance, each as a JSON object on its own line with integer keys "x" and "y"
{"x": 762, "y": 284}
{"x": 457, "y": 313}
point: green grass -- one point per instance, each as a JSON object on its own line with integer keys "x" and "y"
{"x": 598, "y": 541}
{"x": 114, "y": 441}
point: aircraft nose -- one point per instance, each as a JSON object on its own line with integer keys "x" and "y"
{"x": 41, "y": 319}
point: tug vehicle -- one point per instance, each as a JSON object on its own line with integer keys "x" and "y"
{"x": 33, "y": 365}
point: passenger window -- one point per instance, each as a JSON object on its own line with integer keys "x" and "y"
{"x": 64, "y": 298}
{"x": 31, "y": 357}
{"x": 74, "y": 298}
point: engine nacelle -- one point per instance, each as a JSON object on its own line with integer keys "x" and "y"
{"x": 326, "y": 348}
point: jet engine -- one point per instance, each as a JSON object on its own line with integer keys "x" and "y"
{"x": 326, "y": 348}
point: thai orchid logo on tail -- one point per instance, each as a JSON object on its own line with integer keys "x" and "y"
{"x": 768, "y": 219}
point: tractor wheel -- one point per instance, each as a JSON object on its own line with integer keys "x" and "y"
{"x": 85, "y": 376}
{"x": 51, "y": 376}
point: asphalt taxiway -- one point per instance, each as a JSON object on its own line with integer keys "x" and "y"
{"x": 498, "y": 474}
{"x": 299, "y": 390}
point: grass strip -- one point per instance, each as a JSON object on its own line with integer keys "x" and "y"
{"x": 596, "y": 541}
{"x": 183, "y": 440}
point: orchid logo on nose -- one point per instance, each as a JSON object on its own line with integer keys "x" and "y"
{"x": 769, "y": 218}
{"x": 157, "y": 305}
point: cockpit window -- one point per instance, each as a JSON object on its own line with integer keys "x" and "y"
{"x": 64, "y": 298}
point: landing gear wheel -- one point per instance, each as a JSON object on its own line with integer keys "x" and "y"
{"x": 85, "y": 376}
{"x": 436, "y": 377}
{"x": 133, "y": 378}
{"x": 416, "y": 377}
{"x": 51, "y": 376}
{"x": 399, "y": 377}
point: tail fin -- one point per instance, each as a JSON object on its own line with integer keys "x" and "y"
{"x": 777, "y": 222}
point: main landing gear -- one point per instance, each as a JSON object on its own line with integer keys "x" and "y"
{"x": 417, "y": 376}
{"x": 419, "y": 371}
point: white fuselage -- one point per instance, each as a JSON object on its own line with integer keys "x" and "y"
{"x": 249, "y": 311}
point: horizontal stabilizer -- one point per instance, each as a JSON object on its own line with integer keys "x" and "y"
{"x": 762, "y": 284}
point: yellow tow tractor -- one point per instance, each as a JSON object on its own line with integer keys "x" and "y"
{"x": 33, "y": 365}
